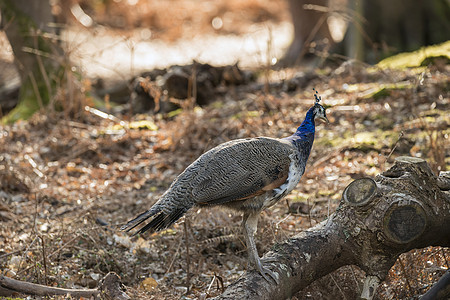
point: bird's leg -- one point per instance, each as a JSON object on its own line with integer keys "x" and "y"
{"x": 250, "y": 225}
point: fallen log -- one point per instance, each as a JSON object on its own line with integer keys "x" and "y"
{"x": 404, "y": 208}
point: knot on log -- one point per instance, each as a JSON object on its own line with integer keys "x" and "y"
{"x": 360, "y": 191}
{"x": 405, "y": 220}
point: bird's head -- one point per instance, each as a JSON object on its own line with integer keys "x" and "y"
{"x": 319, "y": 110}
{"x": 315, "y": 112}
{"x": 319, "y": 113}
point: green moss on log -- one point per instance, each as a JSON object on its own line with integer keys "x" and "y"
{"x": 417, "y": 58}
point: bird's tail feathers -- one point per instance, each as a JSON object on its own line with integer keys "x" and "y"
{"x": 160, "y": 220}
{"x": 139, "y": 219}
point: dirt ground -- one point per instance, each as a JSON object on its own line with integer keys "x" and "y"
{"x": 67, "y": 184}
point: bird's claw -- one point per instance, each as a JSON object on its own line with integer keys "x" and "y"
{"x": 266, "y": 260}
{"x": 266, "y": 273}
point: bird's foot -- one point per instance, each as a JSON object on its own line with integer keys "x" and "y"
{"x": 265, "y": 272}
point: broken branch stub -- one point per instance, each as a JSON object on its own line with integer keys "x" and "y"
{"x": 360, "y": 191}
{"x": 404, "y": 221}
{"x": 404, "y": 208}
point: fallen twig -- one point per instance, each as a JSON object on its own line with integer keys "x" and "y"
{"x": 110, "y": 288}
{"x": 24, "y": 287}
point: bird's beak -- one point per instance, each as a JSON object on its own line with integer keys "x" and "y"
{"x": 323, "y": 118}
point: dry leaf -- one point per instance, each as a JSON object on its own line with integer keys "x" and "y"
{"x": 149, "y": 283}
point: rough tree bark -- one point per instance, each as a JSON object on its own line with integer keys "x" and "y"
{"x": 404, "y": 208}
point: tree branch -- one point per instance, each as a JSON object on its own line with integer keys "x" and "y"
{"x": 377, "y": 220}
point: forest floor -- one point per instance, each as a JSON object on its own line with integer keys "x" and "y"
{"x": 67, "y": 184}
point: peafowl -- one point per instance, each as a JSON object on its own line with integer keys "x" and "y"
{"x": 247, "y": 175}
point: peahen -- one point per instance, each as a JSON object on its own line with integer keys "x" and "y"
{"x": 247, "y": 175}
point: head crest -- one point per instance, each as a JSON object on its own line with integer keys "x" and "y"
{"x": 316, "y": 96}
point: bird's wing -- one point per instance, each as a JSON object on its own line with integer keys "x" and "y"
{"x": 240, "y": 169}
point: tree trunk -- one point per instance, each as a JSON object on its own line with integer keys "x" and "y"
{"x": 376, "y": 29}
{"x": 354, "y": 42}
{"x": 310, "y": 25}
{"x": 36, "y": 54}
{"x": 404, "y": 208}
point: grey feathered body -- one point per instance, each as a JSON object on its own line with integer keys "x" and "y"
{"x": 244, "y": 174}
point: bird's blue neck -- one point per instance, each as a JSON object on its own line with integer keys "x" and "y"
{"x": 308, "y": 126}
{"x": 303, "y": 138}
